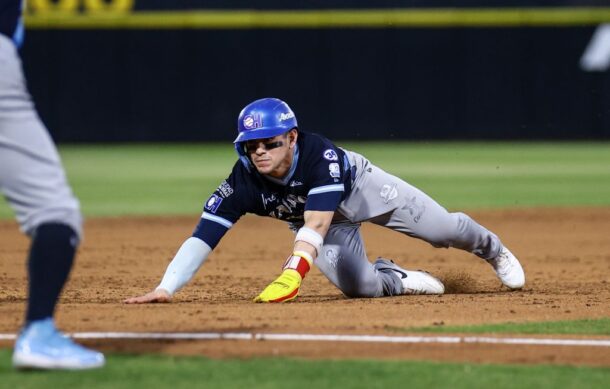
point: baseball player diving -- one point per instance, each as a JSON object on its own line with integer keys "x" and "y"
{"x": 324, "y": 192}
{"x": 33, "y": 181}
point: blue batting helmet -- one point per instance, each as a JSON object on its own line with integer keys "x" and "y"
{"x": 264, "y": 118}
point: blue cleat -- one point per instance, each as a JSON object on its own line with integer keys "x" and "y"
{"x": 41, "y": 346}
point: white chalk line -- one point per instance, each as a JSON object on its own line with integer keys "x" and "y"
{"x": 333, "y": 338}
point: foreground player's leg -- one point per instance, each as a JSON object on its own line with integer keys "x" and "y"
{"x": 51, "y": 256}
{"x": 34, "y": 183}
{"x": 40, "y": 345}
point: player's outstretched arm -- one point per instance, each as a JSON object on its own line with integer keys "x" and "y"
{"x": 307, "y": 244}
{"x": 180, "y": 271}
{"x": 156, "y": 296}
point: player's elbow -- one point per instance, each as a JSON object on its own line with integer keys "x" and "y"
{"x": 318, "y": 221}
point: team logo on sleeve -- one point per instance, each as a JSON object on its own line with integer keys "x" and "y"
{"x": 213, "y": 203}
{"x": 334, "y": 170}
{"x": 331, "y": 155}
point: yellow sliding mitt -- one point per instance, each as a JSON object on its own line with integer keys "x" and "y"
{"x": 286, "y": 286}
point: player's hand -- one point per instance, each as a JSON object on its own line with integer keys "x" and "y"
{"x": 156, "y": 296}
{"x": 284, "y": 288}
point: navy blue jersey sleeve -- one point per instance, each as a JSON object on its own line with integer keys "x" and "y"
{"x": 223, "y": 208}
{"x": 326, "y": 179}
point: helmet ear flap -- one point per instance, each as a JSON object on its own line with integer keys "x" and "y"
{"x": 240, "y": 147}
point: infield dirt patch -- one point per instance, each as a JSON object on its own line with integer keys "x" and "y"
{"x": 565, "y": 253}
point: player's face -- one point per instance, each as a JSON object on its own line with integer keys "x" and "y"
{"x": 272, "y": 156}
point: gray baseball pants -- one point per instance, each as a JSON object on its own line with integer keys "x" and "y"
{"x": 31, "y": 175}
{"x": 386, "y": 200}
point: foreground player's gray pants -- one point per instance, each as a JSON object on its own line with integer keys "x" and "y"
{"x": 386, "y": 200}
{"x": 31, "y": 175}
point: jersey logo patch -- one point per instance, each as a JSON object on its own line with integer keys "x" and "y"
{"x": 334, "y": 170}
{"x": 332, "y": 257}
{"x": 213, "y": 203}
{"x": 290, "y": 208}
{"x": 388, "y": 193}
{"x": 253, "y": 121}
{"x": 267, "y": 200}
{"x": 331, "y": 155}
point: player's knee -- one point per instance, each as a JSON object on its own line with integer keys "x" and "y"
{"x": 464, "y": 225}
{"x": 68, "y": 215}
{"x": 360, "y": 287}
{"x": 360, "y": 293}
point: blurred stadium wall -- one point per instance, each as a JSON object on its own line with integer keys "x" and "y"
{"x": 157, "y": 70}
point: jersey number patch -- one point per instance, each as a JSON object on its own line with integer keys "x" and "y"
{"x": 334, "y": 170}
{"x": 331, "y": 155}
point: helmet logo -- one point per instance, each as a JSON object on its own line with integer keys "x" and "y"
{"x": 286, "y": 116}
{"x": 253, "y": 121}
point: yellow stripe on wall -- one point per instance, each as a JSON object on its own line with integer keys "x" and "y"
{"x": 313, "y": 19}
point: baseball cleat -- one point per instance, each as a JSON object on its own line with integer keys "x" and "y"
{"x": 41, "y": 346}
{"x": 508, "y": 269}
{"x": 413, "y": 281}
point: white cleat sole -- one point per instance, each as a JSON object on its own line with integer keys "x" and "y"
{"x": 23, "y": 361}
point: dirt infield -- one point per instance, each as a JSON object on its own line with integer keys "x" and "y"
{"x": 565, "y": 253}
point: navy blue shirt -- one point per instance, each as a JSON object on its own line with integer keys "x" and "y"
{"x": 10, "y": 20}
{"x": 318, "y": 180}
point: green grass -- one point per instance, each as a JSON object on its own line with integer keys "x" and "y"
{"x": 501, "y": 174}
{"x": 572, "y": 327}
{"x": 176, "y": 179}
{"x": 195, "y": 372}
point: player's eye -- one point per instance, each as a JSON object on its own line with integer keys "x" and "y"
{"x": 273, "y": 145}
{"x": 251, "y": 147}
